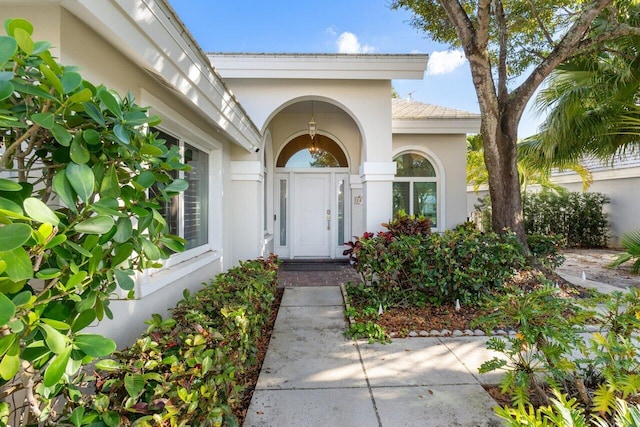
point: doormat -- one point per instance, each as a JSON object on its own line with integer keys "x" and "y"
{"x": 311, "y": 266}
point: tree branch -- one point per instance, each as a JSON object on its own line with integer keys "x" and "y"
{"x": 534, "y": 12}
{"x": 567, "y": 47}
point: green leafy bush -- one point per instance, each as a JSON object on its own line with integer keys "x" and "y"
{"x": 579, "y": 217}
{"x": 593, "y": 377}
{"x": 76, "y": 220}
{"x": 545, "y": 249}
{"x": 188, "y": 369}
{"x": 459, "y": 264}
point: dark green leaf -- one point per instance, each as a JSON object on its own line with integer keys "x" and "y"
{"x": 48, "y": 273}
{"x": 56, "y": 368}
{"x": 134, "y": 384}
{"x": 99, "y": 224}
{"x": 18, "y": 264}
{"x": 110, "y": 102}
{"x": 77, "y": 416}
{"x": 13, "y": 236}
{"x": 151, "y": 150}
{"x": 150, "y": 250}
{"x": 83, "y": 320}
{"x": 110, "y": 186}
{"x": 111, "y": 418}
{"x": 146, "y": 179}
{"x": 45, "y": 120}
{"x": 78, "y": 151}
{"x": 6, "y": 89}
{"x": 91, "y": 136}
{"x": 94, "y": 112}
{"x": 124, "y": 280}
{"x": 61, "y": 135}
{"x": 40, "y": 47}
{"x": 124, "y": 230}
{"x": 177, "y": 186}
{"x": 122, "y": 253}
{"x": 94, "y": 345}
{"x": 123, "y": 134}
{"x": 7, "y": 309}
{"x": 39, "y": 211}
{"x": 8, "y": 48}
{"x": 70, "y": 81}
{"x": 81, "y": 179}
{"x": 32, "y": 90}
{"x": 62, "y": 187}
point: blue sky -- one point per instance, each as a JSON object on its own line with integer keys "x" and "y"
{"x": 331, "y": 26}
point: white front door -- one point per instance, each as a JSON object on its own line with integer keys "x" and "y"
{"x": 312, "y": 216}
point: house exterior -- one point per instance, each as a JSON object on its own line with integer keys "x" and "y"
{"x": 261, "y": 183}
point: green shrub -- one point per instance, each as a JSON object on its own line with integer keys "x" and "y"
{"x": 579, "y": 217}
{"x": 457, "y": 264}
{"x": 545, "y": 249}
{"x": 189, "y": 369}
{"x": 592, "y": 375}
{"x": 76, "y": 216}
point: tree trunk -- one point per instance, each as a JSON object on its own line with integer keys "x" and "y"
{"x": 500, "y": 134}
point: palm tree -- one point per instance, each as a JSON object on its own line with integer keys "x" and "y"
{"x": 593, "y": 108}
{"x": 531, "y": 170}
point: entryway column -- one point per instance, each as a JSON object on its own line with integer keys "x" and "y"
{"x": 377, "y": 179}
{"x": 246, "y": 201}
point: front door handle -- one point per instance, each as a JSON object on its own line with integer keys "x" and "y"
{"x": 328, "y": 219}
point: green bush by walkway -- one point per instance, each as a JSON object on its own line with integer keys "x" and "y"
{"x": 188, "y": 369}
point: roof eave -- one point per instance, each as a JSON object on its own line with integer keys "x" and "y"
{"x": 436, "y": 126}
{"x": 152, "y": 36}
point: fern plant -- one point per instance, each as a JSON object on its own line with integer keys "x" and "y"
{"x": 631, "y": 242}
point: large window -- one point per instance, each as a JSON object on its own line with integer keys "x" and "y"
{"x": 187, "y": 215}
{"x": 415, "y": 190}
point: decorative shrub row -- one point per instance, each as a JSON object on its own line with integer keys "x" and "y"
{"x": 188, "y": 369}
{"x": 463, "y": 263}
{"x": 579, "y": 217}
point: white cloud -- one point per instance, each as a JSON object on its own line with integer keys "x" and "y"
{"x": 348, "y": 43}
{"x": 331, "y": 31}
{"x": 445, "y": 62}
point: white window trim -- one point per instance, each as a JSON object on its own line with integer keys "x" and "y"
{"x": 180, "y": 264}
{"x": 439, "y": 179}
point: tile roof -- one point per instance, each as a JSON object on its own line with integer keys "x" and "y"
{"x": 404, "y": 109}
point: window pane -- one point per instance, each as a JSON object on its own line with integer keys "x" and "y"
{"x": 283, "y": 212}
{"x": 169, "y": 208}
{"x": 413, "y": 165}
{"x": 425, "y": 202}
{"x": 196, "y": 197}
{"x": 341, "y": 212}
{"x": 401, "y": 197}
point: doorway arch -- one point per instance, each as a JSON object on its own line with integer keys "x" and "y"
{"x": 312, "y": 194}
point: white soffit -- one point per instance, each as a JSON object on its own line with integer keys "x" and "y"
{"x": 152, "y": 36}
{"x": 319, "y": 66}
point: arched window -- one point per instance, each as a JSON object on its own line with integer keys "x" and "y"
{"x": 322, "y": 152}
{"x": 415, "y": 189}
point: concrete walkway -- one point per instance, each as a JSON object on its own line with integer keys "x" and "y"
{"x": 314, "y": 376}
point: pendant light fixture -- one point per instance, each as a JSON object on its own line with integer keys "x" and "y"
{"x": 312, "y": 132}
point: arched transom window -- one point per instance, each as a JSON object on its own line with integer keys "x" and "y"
{"x": 415, "y": 189}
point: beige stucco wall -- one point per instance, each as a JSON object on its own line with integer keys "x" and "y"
{"x": 100, "y": 62}
{"x": 448, "y": 153}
